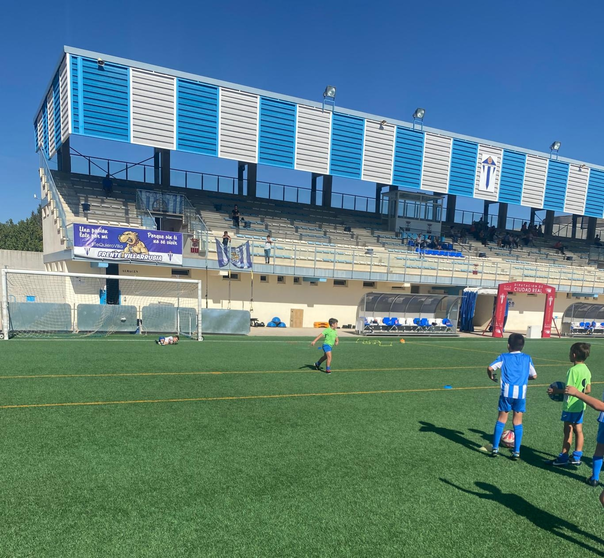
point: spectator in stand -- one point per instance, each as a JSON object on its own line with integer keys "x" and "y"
{"x": 597, "y": 241}
{"x": 454, "y": 235}
{"x": 539, "y": 230}
{"x": 226, "y": 239}
{"x": 506, "y": 242}
{"x": 107, "y": 185}
{"x": 268, "y": 246}
{"x": 559, "y": 247}
{"x": 236, "y": 216}
{"x": 524, "y": 227}
{"x": 515, "y": 241}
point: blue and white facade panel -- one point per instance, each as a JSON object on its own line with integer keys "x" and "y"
{"x": 408, "y": 158}
{"x": 239, "y": 115}
{"x": 153, "y": 109}
{"x": 576, "y": 189}
{"x": 378, "y": 152}
{"x": 313, "y": 133}
{"x": 535, "y": 175}
{"x": 64, "y": 96}
{"x": 437, "y": 162}
{"x": 594, "y": 203}
{"x": 50, "y": 106}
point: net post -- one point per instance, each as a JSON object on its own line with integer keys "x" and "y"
{"x": 199, "y": 299}
{"x": 4, "y": 305}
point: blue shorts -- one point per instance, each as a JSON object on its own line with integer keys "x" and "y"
{"x": 573, "y": 418}
{"x": 507, "y": 404}
{"x": 326, "y": 348}
{"x": 600, "y": 437}
{"x": 162, "y": 339}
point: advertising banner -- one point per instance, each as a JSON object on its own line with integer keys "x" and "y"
{"x": 118, "y": 244}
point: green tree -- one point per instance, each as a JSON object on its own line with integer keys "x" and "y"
{"x": 25, "y": 235}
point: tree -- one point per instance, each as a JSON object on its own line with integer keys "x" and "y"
{"x": 25, "y": 235}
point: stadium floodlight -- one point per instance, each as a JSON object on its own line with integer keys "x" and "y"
{"x": 382, "y": 124}
{"x": 553, "y": 149}
{"x": 330, "y": 91}
{"x": 418, "y": 117}
{"x": 329, "y": 97}
{"x": 100, "y": 62}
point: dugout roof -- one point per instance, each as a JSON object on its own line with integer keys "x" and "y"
{"x": 406, "y": 305}
{"x": 584, "y": 311}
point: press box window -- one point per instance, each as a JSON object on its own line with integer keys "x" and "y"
{"x": 264, "y": 278}
{"x": 181, "y": 272}
{"x": 369, "y": 284}
{"x": 297, "y": 281}
{"x": 340, "y": 283}
{"x": 234, "y": 277}
{"x": 280, "y": 279}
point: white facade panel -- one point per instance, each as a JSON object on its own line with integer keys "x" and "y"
{"x": 40, "y": 131}
{"x": 535, "y": 175}
{"x": 378, "y": 152}
{"x": 313, "y": 131}
{"x": 238, "y": 125}
{"x": 50, "y": 111}
{"x": 65, "y": 104}
{"x": 437, "y": 162}
{"x": 153, "y": 109}
{"x": 576, "y": 189}
{"x": 488, "y": 172}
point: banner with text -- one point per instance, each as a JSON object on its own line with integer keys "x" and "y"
{"x": 118, "y": 244}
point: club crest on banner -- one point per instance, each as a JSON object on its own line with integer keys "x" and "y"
{"x": 488, "y": 172}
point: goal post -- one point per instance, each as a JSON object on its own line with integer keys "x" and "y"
{"x": 51, "y": 304}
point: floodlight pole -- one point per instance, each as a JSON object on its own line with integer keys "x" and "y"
{"x": 4, "y": 305}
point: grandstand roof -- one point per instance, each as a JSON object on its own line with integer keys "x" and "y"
{"x": 139, "y": 103}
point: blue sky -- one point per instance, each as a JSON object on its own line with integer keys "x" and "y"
{"x": 522, "y": 73}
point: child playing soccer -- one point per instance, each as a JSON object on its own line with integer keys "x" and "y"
{"x": 572, "y": 391}
{"x": 167, "y": 340}
{"x": 331, "y": 340}
{"x": 578, "y": 376}
{"x": 516, "y": 370}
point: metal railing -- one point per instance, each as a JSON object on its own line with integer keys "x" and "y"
{"x": 57, "y": 204}
{"x": 147, "y": 173}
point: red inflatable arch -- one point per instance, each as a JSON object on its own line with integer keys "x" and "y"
{"x": 524, "y": 287}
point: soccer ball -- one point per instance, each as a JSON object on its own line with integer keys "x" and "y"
{"x": 557, "y": 396}
{"x": 122, "y": 319}
{"x": 508, "y": 438}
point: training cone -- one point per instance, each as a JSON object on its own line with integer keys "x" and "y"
{"x": 402, "y": 340}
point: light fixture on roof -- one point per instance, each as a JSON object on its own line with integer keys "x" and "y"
{"x": 553, "y": 149}
{"x": 382, "y": 124}
{"x": 100, "y": 62}
{"x": 418, "y": 117}
{"x": 329, "y": 96}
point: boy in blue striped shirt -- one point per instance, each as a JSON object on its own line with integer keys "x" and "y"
{"x": 516, "y": 371}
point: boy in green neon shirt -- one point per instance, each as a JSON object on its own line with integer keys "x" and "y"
{"x": 578, "y": 377}
{"x": 330, "y": 341}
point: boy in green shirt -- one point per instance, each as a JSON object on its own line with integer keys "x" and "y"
{"x": 331, "y": 340}
{"x": 578, "y": 377}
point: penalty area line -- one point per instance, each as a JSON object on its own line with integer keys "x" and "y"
{"x": 253, "y": 397}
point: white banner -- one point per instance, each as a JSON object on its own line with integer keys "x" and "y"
{"x": 488, "y": 167}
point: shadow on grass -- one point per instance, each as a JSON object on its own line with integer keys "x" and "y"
{"x": 543, "y": 520}
{"x": 538, "y": 459}
{"x": 308, "y": 367}
{"x": 456, "y": 436}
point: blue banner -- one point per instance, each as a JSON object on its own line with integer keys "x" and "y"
{"x": 240, "y": 256}
{"x": 99, "y": 242}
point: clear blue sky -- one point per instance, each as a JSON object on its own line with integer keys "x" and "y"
{"x": 522, "y": 73}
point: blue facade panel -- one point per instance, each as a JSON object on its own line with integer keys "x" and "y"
{"x": 512, "y": 177}
{"x": 75, "y": 94}
{"x": 196, "y": 117}
{"x": 56, "y": 99}
{"x": 462, "y": 176}
{"x": 103, "y": 100}
{"x": 346, "y": 146}
{"x": 408, "y": 158}
{"x": 277, "y": 141}
{"x": 594, "y": 202}
{"x": 45, "y": 130}
{"x": 555, "y": 186}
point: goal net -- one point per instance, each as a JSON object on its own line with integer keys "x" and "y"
{"x": 52, "y": 304}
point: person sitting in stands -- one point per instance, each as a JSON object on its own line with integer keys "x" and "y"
{"x": 107, "y": 185}
{"x": 226, "y": 239}
{"x": 559, "y": 247}
{"x": 597, "y": 241}
{"x": 236, "y": 216}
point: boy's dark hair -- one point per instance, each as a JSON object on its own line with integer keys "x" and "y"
{"x": 332, "y": 321}
{"x": 516, "y": 342}
{"x": 581, "y": 351}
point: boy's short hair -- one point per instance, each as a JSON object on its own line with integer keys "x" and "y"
{"x": 581, "y": 351}
{"x": 332, "y": 321}
{"x": 516, "y": 342}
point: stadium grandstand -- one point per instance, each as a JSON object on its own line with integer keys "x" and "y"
{"x": 328, "y": 247}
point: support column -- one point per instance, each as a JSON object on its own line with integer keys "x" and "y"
{"x": 313, "y": 188}
{"x": 378, "y": 197}
{"x": 485, "y": 212}
{"x": 573, "y": 226}
{"x": 502, "y": 216}
{"x": 156, "y": 167}
{"x": 533, "y": 215}
{"x": 240, "y": 177}
{"x": 592, "y": 222}
{"x": 252, "y": 176}
{"x": 451, "y": 206}
{"x": 64, "y": 157}
{"x": 327, "y": 190}
{"x": 161, "y": 166}
{"x": 548, "y": 223}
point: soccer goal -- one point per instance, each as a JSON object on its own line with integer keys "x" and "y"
{"x": 53, "y": 304}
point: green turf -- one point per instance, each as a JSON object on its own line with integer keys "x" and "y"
{"x": 363, "y": 467}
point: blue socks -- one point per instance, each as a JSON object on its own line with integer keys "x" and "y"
{"x": 517, "y": 437}
{"x": 577, "y": 455}
{"x": 597, "y": 467}
{"x": 499, "y": 426}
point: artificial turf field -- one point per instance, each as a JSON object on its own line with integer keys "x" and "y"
{"x": 236, "y": 447}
